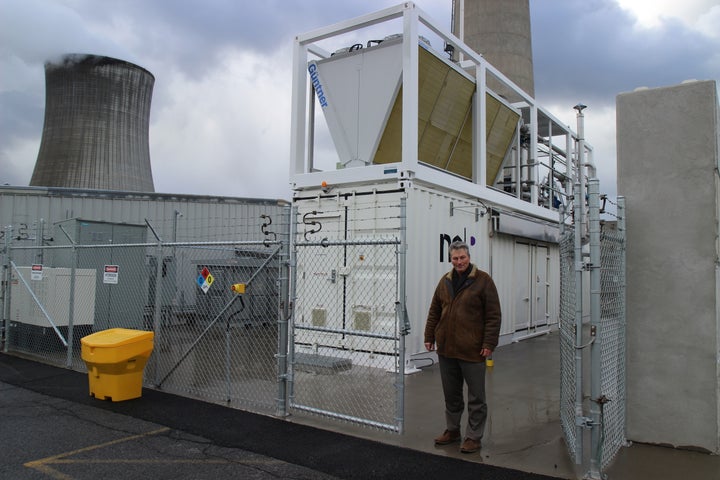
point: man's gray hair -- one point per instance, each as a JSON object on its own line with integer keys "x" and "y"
{"x": 458, "y": 245}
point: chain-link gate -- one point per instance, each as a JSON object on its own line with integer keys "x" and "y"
{"x": 346, "y": 332}
{"x": 223, "y": 349}
{"x": 569, "y": 387}
{"x": 599, "y": 255}
{"x": 211, "y": 342}
{"x": 612, "y": 350}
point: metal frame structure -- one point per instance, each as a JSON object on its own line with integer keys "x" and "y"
{"x": 537, "y": 150}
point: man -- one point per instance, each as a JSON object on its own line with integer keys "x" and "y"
{"x": 463, "y": 323}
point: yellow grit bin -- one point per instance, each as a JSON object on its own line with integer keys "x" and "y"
{"x": 116, "y": 360}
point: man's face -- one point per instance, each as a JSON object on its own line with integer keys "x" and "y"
{"x": 460, "y": 259}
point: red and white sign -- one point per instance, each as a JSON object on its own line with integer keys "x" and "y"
{"x": 110, "y": 274}
{"x": 36, "y": 272}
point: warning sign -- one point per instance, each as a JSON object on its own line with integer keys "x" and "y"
{"x": 36, "y": 272}
{"x": 205, "y": 280}
{"x": 110, "y": 274}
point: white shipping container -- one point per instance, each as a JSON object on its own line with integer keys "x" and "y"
{"x": 525, "y": 269}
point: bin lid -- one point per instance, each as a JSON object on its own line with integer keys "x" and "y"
{"x": 114, "y": 337}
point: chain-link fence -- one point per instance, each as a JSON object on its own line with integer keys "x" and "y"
{"x": 340, "y": 355}
{"x": 57, "y": 295}
{"x": 346, "y": 341}
{"x": 219, "y": 312}
{"x": 596, "y": 346}
{"x": 210, "y": 342}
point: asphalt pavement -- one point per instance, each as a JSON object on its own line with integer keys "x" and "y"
{"x": 44, "y": 437}
{"x": 51, "y": 428}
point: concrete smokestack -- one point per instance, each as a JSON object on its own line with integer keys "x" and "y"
{"x": 500, "y": 31}
{"x": 97, "y": 114}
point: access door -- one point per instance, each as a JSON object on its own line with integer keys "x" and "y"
{"x": 530, "y": 269}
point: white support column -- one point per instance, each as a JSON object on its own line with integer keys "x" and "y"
{"x": 533, "y": 173}
{"x": 410, "y": 96}
{"x": 298, "y": 116}
{"x": 461, "y": 30}
{"x": 518, "y": 164}
{"x": 479, "y": 122}
{"x": 551, "y": 166}
{"x": 569, "y": 154}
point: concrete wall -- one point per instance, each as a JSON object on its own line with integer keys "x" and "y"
{"x": 667, "y": 141}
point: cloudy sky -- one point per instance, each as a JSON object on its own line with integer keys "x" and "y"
{"x": 220, "y": 120}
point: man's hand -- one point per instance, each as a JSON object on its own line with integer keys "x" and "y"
{"x": 485, "y": 352}
{"x": 430, "y": 346}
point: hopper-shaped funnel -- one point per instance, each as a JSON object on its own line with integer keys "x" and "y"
{"x": 361, "y": 96}
{"x": 356, "y": 91}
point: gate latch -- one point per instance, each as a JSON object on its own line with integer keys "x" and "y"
{"x": 584, "y": 422}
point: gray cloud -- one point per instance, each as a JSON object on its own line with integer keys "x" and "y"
{"x": 591, "y": 51}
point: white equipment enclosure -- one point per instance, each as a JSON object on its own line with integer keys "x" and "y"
{"x": 414, "y": 145}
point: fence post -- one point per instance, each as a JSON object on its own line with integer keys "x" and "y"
{"x": 404, "y": 324}
{"x": 157, "y": 313}
{"x": 289, "y": 344}
{"x": 596, "y": 333}
{"x": 282, "y": 349}
{"x": 621, "y": 214}
{"x": 285, "y": 266}
{"x": 4, "y": 327}
{"x": 71, "y": 307}
{"x": 578, "y": 258}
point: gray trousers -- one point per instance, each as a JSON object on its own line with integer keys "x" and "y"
{"x": 453, "y": 373}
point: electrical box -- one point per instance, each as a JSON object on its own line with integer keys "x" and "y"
{"x": 52, "y": 289}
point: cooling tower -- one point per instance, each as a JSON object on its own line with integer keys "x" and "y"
{"x": 97, "y": 113}
{"x": 500, "y": 31}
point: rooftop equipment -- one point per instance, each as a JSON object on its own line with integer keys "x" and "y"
{"x": 363, "y": 90}
{"x": 401, "y": 110}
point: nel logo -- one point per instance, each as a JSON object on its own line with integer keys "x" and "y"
{"x": 446, "y": 240}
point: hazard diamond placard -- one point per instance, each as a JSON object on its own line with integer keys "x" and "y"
{"x": 205, "y": 280}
